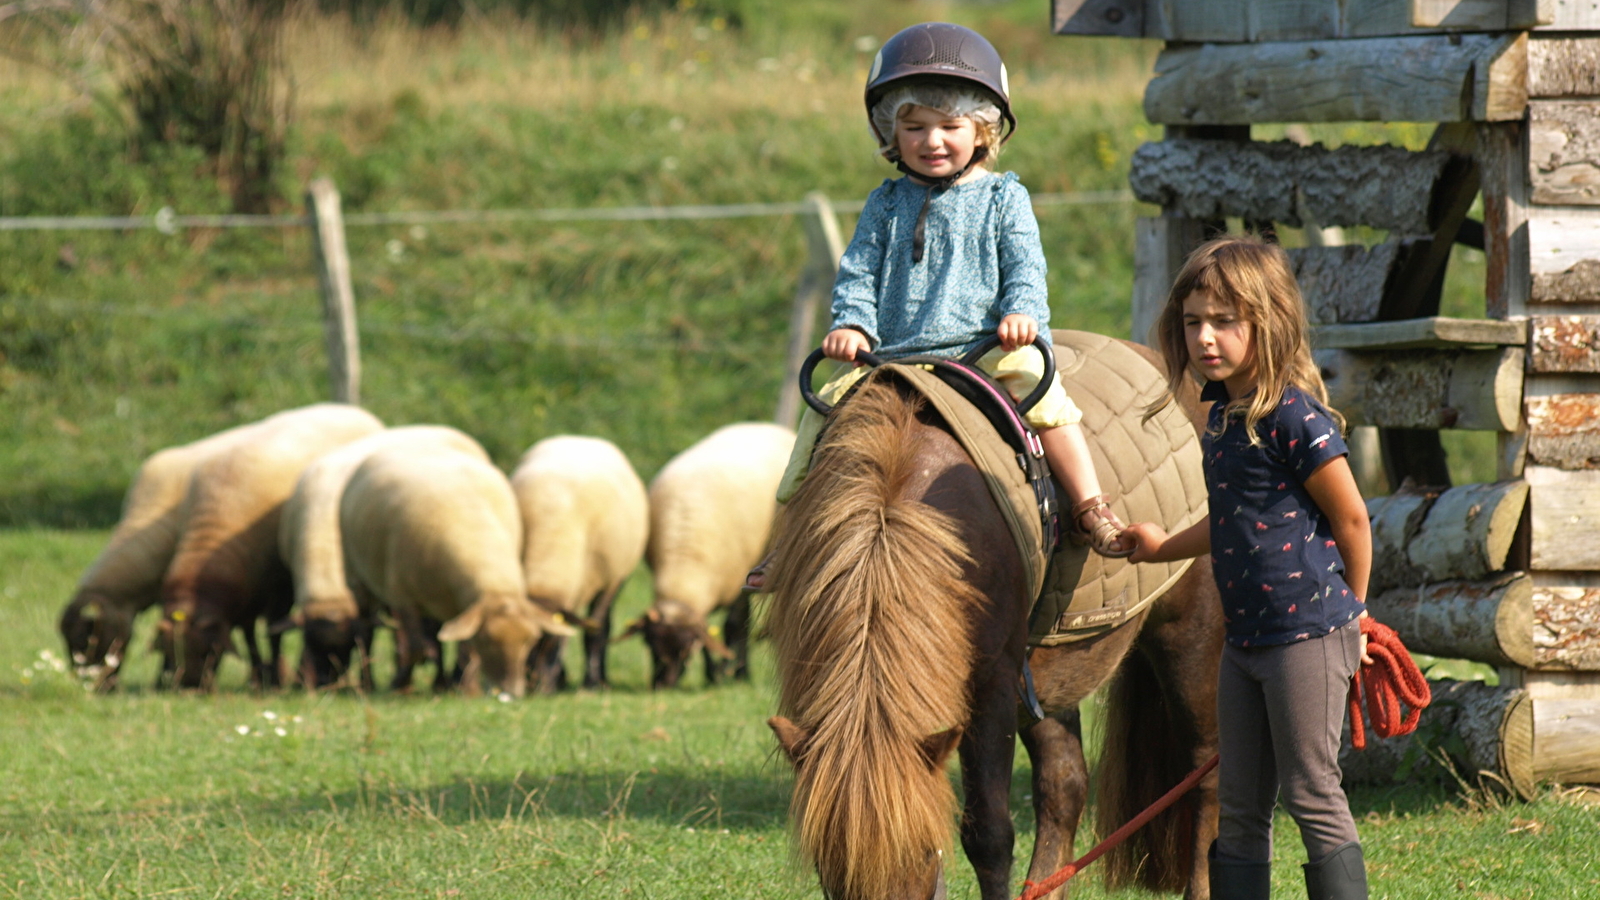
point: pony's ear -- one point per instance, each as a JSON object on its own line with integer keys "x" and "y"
{"x": 936, "y": 748}
{"x": 791, "y": 737}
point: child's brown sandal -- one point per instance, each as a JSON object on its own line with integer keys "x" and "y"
{"x": 1107, "y": 527}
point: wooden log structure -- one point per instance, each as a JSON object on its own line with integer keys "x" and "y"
{"x": 1565, "y": 521}
{"x": 1564, "y": 151}
{"x": 1564, "y": 254}
{"x": 1464, "y": 533}
{"x": 1564, "y": 430}
{"x": 1231, "y": 21}
{"x": 1475, "y": 390}
{"x": 1446, "y": 78}
{"x": 1495, "y": 747}
{"x": 1431, "y": 332}
{"x": 1564, "y": 344}
{"x": 1566, "y": 630}
{"x": 1281, "y": 181}
{"x": 1561, "y": 65}
{"x": 1488, "y": 621}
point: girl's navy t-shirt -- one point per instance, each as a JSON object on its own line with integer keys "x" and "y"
{"x": 1272, "y": 550}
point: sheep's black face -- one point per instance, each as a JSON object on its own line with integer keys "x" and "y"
{"x": 328, "y": 649}
{"x": 96, "y": 636}
{"x": 201, "y": 645}
{"x": 671, "y": 648}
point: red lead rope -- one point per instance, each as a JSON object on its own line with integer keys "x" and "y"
{"x": 1393, "y": 678}
{"x": 1390, "y": 679}
{"x": 1035, "y": 890}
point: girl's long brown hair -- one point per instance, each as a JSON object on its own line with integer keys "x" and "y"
{"x": 1257, "y": 279}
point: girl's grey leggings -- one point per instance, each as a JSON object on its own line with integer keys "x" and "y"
{"x": 1280, "y": 711}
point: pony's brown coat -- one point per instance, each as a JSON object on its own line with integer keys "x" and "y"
{"x": 870, "y": 592}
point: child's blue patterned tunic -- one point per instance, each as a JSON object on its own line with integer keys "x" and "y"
{"x": 1272, "y": 550}
{"x": 982, "y": 261}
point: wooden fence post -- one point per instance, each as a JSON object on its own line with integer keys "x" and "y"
{"x": 338, "y": 298}
{"x": 823, "y": 249}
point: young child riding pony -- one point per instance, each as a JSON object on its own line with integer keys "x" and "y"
{"x": 1291, "y": 548}
{"x": 949, "y": 255}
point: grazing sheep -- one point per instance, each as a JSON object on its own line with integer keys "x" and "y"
{"x": 125, "y": 579}
{"x": 333, "y": 623}
{"x": 435, "y": 534}
{"x": 226, "y": 572}
{"x": 585, "y": 518}
{"x": 711, "y": 512}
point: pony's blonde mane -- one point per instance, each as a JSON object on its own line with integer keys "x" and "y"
{"x": 869, "y": 620}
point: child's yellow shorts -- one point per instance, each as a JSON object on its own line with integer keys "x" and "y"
{"x": 1018, "y": 372}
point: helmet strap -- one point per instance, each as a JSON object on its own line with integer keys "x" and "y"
{"x": 935, "y": 185}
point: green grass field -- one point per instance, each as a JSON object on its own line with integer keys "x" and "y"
{"x": 628, "y": 792}
{"x": 114, "y": 344}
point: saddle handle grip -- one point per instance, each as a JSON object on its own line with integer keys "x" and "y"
{"x": 971, "y": 357}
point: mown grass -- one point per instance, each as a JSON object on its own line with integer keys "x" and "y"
{"x": 593, "y": 795}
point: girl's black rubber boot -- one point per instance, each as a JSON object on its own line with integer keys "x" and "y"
{"x": 1235, "y": 879}
{"x": 1341, "y": 875}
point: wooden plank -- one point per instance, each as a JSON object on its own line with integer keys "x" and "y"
{"x": 1564, "y": 151}
{"x": 1280, "y": 181}
{"x": 824, "y": 246}
{"x": 338, "y": 296}
{"x": 1343, "y": 283}
{"x": 1460, "y": 15}
{"x": 1566, "y": 628}
{"x": 1434, "y": 78}
{"x": 1565, "y": 508}
{"x": 1488, "y": 621}
{"x": 1494, "y": 731}
{"x": 1473, "y": 390}
{"x": 1434, "y": 332}
{"x": 1564, "y": 430}
{"x": 1502, "y": 157}
{"x": 1461, "y": 534}
{"x": 1559, "y": 685}
{"x": 1566, "y": 740}
{"x": 1564, "y": 254}
{"x": 1564, "y": 344}
{"x": 1161, "y": 243}
{"x": 1106, "y": 18}
{"x": 1563, "y": 66}
{"x": 1221, "y": 21}
{"x": 1573, "y": 15}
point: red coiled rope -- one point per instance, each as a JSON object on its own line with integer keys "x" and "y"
{"x": 1389, "y": 680}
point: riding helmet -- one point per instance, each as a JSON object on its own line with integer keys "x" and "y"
{"x": 939, "y": 51}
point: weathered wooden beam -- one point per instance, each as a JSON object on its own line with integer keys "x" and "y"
{"x": 1566, "y": 740}
{"x": 1473, "y": 390}
{"x": 1564, "y": 254}
{"x": 1570, "y": 15}
{"x": 1502, "y": 155}
{"x": 1565, "y": 519}
{"x": 1344, "y": 283}
{"x": 1564, "y": 344}
{"x": 1563, "y": 66}
{"x": 1436, "y": 78}
{"x": 1161, "y": 243}
{"x": 1566, "y": 631}
{"x": 1382, "y": 187}
{"x": 1434, "y": 332}
{"x": 1494, "y": 727}
{"x": 1564, "y": 151}
{"x": 1488, "y": 621}
{"x": 1564, "y": 430}
{"x": 1461, "y": 534}
{"x": 1104, "y": 18}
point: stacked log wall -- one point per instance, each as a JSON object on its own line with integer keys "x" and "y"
{"x": 1515, "y": 86}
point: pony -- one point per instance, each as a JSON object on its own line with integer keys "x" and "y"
{"x": 899, "y": 621}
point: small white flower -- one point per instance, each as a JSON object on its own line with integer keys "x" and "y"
{"x": 242, "y": 729}
{"x": 503, "y": 697}
{"x": 269, "y": 715}
{"x": 296, "y": 719}
{"x": 396, "y": 250}
{"x": 866, "y": 43}
{"x": 280, "y": 732}
{"x": 691, "y": 831}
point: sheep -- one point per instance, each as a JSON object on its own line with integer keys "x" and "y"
{"x": 333, "y": 623}
{"x": 711, "y": 512}
{"x": 585, "y": 518}
{"x": 436, "y": 534}
{"x": 125, "y": 579}
{"x": 226, "y": 572}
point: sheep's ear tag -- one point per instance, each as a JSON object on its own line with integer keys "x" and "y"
{"x": 560, "y": 619}
{"x": 716, "y": 630}
{"x": 179, "y": 615}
